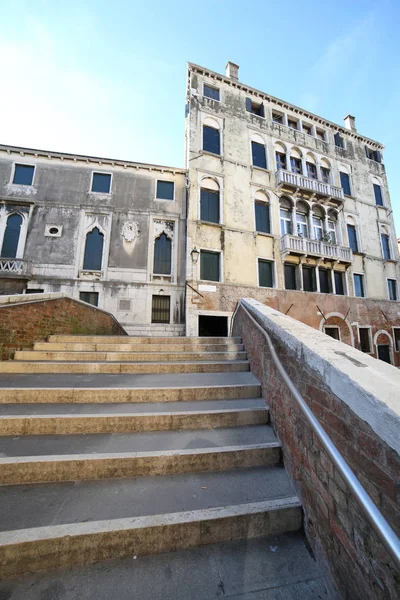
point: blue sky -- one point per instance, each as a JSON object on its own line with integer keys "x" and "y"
{"x": 108, "y": 78}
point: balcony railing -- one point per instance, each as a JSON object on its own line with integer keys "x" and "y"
{"x": 299, "y": 245}
{"x": 15, "y": 267}
{"x": 306, "y": 183}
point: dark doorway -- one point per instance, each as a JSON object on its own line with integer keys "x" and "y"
{"x": 213, "y": 326}
{"x": 333, "y": 332}
{"x": 384, "y": 353}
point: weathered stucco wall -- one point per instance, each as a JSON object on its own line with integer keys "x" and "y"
{"x": 357, "y": 401}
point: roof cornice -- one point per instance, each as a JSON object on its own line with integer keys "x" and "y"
{"x": 282, "y": 104}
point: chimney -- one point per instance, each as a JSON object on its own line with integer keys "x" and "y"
{"x": 232, "y": 71}
{"x": 350, "y": 123}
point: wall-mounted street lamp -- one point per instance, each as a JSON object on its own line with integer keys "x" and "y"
{"x": 195, "y": 255}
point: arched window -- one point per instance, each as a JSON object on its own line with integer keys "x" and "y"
{"x": 209, "y": 200}
{"x": 325, "y": 171}
{"x": 311, "y": 166}
{"x": 385, "y": 241}
{"x": 318, "y": 228}
{"x": 285, "y": 215}
{"x": 302, "y": 219}
{"x": 162, "y": 255}
{"x": 280, "y": 156}
{"x": 352, "y": 234}
{"x": 211, "y": 136}
{"x": 332, "y": 222}
{"x": 93, "y": 250}
{"x": 11, "y": 236}
{"x": 261, "y": 207}
{"x": 295, "y": 161}
{"x": 258, "y": 154}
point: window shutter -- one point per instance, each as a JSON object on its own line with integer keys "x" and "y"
{"x": 377, "y": 156}
{"x": 248, "y": 104}
{"x": 367, "y": 151}
{"x": 262, "y": 110}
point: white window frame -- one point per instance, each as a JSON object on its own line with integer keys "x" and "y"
{"x": 91, "y": 183}
{"x": 286, "y": 220}
{"x": 355, "y": 225}
{"x": 220, "y": 181}
{"x": 301, "y": 223}
{"x": 220, "y": 122}
{"x": 215, "y": 88}
{"x": 253, "y": 135}
{"x": 164, "y": 199}
{"x": 221, "y": 266}
{"x": 316, "y": 227}
{"x": 4, "y": 216}
{"x": 277, "y": 112}
{"x": 371, "y": 342}
{"x": 397, "y": 288}
{"x": 274, "y": 272}
{"x": 332, "y": 327}
{"x": 364, "y": 286}
{"x": 24, "y": 164}
{"x": 331, "y": 229}
{"x": 387, "y": 233}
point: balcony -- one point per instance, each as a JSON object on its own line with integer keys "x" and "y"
{"x": 290, "y": 244}
{"x": 291, "y": 180}
{"x": 15, "y": 267}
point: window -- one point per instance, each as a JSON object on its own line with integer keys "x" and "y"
{"x": 324, "y": 281}
{"x": 339, "y": 286}
{"x": 307, "y": 129}
{"x": 277, "y": 118}
{"x": 309, "y": 283}
{"x": 345, "y": 183}
{"x": 293, "y": 123}
{"x": 11, "y": 236}
{"x": 93, "y": 250}
{"x": 373, "y": 154}
{"x": 359, "y": 285}
{"x": 311, "y": 171}
{"x": 333, "y": 332}
{"x": 290, "y": 277}
{"x": 89, "y": 297}
{"x": 302, "y": 227}
{"x": 101, "y": 183}
{"x": 160, "y": 309}
{"x": 211, "y": 92}
{"x": 332, "y": 230}
{"x": 365, "y": 339}
{"x": 280, "y": 160}
{"x": 262, "y": 217}
{"x": 209, "y": 205}
{"x": 211, "y": 139}
{"x": 339, "y": 141}
{"x": 385, "y": 239}
{"x": 318, "y": 231}
{"x": 352, "y": 235}
{"x": 258, "y": 155}
{"x": 162, "y": 255}
{"x": 378, "y": 194}
{"x": 286, "y": 221}
{"x": 34, "y": 291}
{"x": 265, "y": 273}
{"x": 392, "y": 288}
{"x": 23, "y": 174}
{"x": 255, "y": 108}
{"x": 396, "y": 334}
{"x": 320, "y": 134}
{"x": 326, "y": 175}
{"x": 209, "y": 265}
{"x": 165, "y": 190}
{"x": 295, "y": 164}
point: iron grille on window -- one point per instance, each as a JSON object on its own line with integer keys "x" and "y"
{"x": 160, "y": 309}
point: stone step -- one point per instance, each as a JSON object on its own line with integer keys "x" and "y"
{"x": 52, "y": 525}
{"x": 132, "y": 347}
{"x": 56, "y": 419}
{"x": 38, "y": 458}
{"x": 12, "y": 366}
{"x": 122, "y": 339}
{"x": 29, "y": 355}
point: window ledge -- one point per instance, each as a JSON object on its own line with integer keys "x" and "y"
{"x": 165, "y": 199}
{"x": 202, "y": 222}
{"x": 264, "y": 170}
{"x": 208, "y": 153}
{"x": 212, "y": 281}
{"x": 106, "y": 194}
{"x": 265, "y": 234}
{"x": 390, "y": 260}
{"x": 359, "y": 253}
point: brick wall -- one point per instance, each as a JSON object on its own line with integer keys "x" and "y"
{"x": 357, "y": 564}
{"x": 23, "y": 324}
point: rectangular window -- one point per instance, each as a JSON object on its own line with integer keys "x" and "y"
{"x": 307, "y": 129}
{"x": 23, "y": 174}
{"x": 333, "y": 332}
{"x": 209, "y": 205}
{"x": 386, "y": 246}
{"x": 277, "y": 118}
{"x": 345, "y": 183}
{"x": 262, "y": 217}
{"x": 265, "y": 273}
{"x": 373, "y": 154}
{"x": 365, "y": 340}
{"x": 258, "y": 155}
{"x": 396, "y": 333}
{"x": 89, "y": 297}
{"x": 165, "y": 190}
{"x": 352, "y": 235}
{"x": 101, "y": 183}
{"x": 320, "y": 134}
{"x": 211, "y": 92}
{"x": 325, "y": 174}
{"x": 256, "y": 108}
{"x": 317, "y": 228}
{"x": 211, "y": 140}
{"x": 290, "y": 277}
{"x": 33, "y": 291}
{"x": 311, "y": 171}
{"x": 160, "y": 309}
{"x": 286, "y": 221}
{"x": 339, "y": 285}
{"x": 309, "y": 284}
{"x": 280, "y": 160}
{"x": 302, "y": 227}
{"x": 392, "y": 288}
{"x": 293, "y": 124}
{"x": 332, "y": 231}
{"x": 378, "y": 195}
{"x": 339, "y": 141}
{"x": 324, "y": 281}
{"x": 209, "y": 265}
{"x": 359, "y": 285}
{"x": 295, "y": 164}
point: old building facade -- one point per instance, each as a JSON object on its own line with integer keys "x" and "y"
{"x": 108, "y": 232}
{"x": 288, "y": 208}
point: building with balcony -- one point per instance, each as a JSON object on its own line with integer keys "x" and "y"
{"x": 290, "y": 208}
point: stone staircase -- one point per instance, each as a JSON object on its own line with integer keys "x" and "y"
{"x": 114, "y": 447}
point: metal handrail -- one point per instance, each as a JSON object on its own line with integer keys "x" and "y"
{"x": 375, "y": 518}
